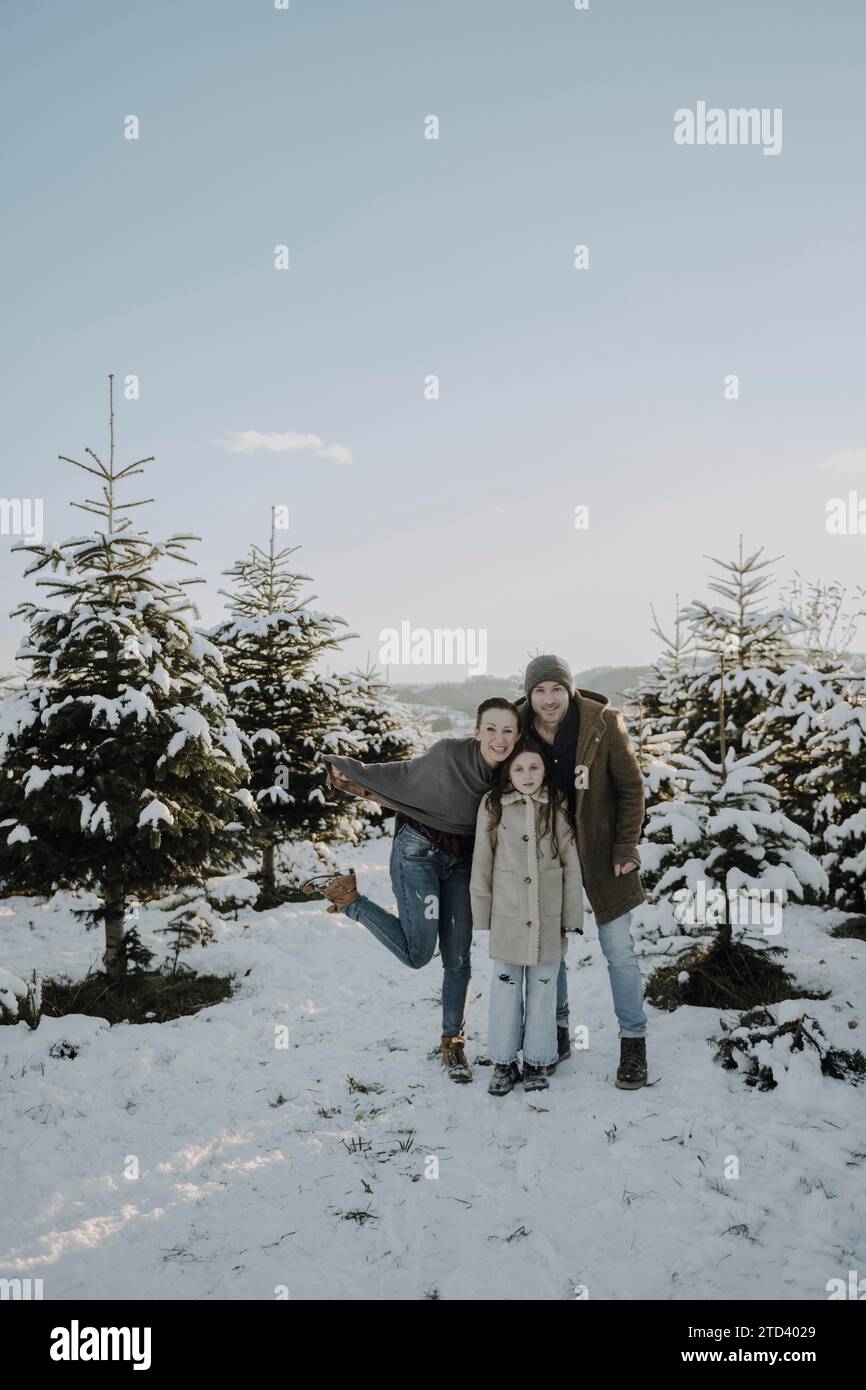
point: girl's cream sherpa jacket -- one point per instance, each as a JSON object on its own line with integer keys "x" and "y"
{"x": 520, "y": 894}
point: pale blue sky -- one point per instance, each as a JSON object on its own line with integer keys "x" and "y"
{"x": 454, "y": 257}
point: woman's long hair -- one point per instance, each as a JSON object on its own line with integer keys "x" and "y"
{"x": 545, "y": 814}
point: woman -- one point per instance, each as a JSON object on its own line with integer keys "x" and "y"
{"x": 436, "y": 797}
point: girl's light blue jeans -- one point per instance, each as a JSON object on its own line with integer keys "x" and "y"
{"x": 515, "y": 1023}
{"x": 625, "y": 980}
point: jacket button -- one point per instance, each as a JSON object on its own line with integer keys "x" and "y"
{"x": 529, "y": 924}
{"x": 527, "y": 880}
{"x": 526, "y": 837}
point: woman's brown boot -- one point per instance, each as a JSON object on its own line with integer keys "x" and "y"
{"x": 454, "y": 1059}
{"x": 339, "y": 889}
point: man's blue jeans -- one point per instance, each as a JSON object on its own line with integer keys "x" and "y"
{"x": 625, "y": 981}
{"x": 432, "y": 892}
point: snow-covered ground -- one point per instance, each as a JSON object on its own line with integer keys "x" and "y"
{"x": 623, "y": 1194}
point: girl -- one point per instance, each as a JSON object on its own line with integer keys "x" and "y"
{"x": 526, "y": 890}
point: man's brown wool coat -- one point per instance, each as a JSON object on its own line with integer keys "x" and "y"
{"x": 609, "y": 809}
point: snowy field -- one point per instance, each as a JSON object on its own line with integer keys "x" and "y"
{"x": 252, "y": 1155}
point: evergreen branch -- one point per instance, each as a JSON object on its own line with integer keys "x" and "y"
{"x": 98, "y": 508}
{"x": 131, "y": 468}
{"x": 86, "y": 466}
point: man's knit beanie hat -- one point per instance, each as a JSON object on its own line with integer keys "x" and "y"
{"x": 547, "y": 668}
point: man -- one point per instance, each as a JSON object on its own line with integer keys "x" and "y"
{"x": 436, "y": 796}
{"x": 591, "y": 758}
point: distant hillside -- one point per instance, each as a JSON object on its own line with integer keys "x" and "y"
{"x": 610, "y": 680}
{"x": 467, "y": 695}
{"x": 459, "y": 695}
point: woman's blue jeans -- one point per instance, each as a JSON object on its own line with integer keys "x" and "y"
{"x": 625, "y": 980}
{"x": 432, "y": 891}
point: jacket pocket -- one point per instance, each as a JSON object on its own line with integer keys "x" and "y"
{"x": 506, "y": 898}
{"x": 551, "y": 892}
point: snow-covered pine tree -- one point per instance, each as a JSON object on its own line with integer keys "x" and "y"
{"x": 803, "y": 693}
{"x": 796, "y": 702}
{"x": 386, "y": 730}
{"x": 120, "y": 769}
{"x": 744, "y": 648}
{"x": 651, "y": 749}
{"x": 290, "y": 712}
{"x": 653, "y": 710}
{"x": 828, "y": 618}
{"x": 725, "y": 830}
{"x": 837, "y": 783}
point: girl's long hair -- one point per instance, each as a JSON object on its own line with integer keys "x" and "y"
{"x": 545, "y": 814}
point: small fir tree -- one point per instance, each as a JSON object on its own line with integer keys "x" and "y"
{"x": 120, "y": 768}
{"x": 724, "y": 842}
{"x": 291, "y": 713}
{"x": 837, "y": 783}
{"x": 743, "y": 646}
{"x": 386, "y": 731}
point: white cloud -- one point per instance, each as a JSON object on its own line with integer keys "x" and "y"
{"x": 340, "y": 453}
{"x": 845, "y": 461}
{"x": 252, "y": 441}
